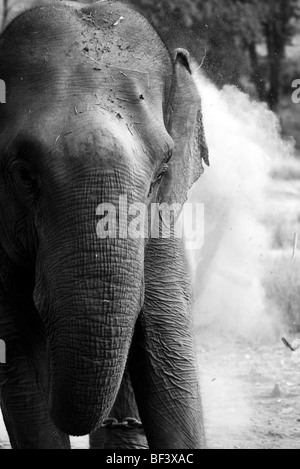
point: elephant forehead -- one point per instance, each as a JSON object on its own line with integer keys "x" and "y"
{"x": 97, "y": 140}
{"x": 58, "y": 53}
{"x": 98, "y": 35}
{"x": 86, "y": 129}
{"x": 63, "y": 65}
{"x": 99, "y": 137}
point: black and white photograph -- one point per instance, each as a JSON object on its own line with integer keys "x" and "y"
{"x": 149, "y": 227}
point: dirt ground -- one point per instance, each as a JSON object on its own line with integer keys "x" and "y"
{"x": 251, "y": 394}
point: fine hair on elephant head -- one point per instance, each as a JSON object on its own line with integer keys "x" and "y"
{"x": 96, "y": 108}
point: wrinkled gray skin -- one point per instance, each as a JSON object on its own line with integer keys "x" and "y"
{"x": 94, "y": 111}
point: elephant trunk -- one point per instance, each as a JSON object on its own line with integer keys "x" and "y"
{"x": 94, "y": 295}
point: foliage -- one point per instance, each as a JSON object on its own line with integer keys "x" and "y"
{"x": 231, "y": 32}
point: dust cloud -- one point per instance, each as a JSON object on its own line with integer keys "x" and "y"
{"x": 244, "y": 140}
{"x": 231, "y": 312}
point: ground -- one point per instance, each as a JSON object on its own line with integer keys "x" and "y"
{"x": 251, "y": 387}
{"x": 251, "y": 394}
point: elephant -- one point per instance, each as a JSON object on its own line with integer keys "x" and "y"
{"x": 98, "y": 330}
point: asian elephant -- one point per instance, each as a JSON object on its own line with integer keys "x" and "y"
{"x": 94, "y": 326}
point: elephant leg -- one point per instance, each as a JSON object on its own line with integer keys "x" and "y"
{"x": 163, "y": 364}
{"x": 23, "y": 398}
{"x": 121, "y": 433}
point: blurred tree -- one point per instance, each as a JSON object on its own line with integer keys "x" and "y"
{"x": 279, "y": 26}
{"x": 276, "y": 24}
{"x": 11, "y": 8}
{"x": 233, "y": 33}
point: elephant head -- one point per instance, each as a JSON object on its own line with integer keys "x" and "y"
{"x": 96, "y": 109}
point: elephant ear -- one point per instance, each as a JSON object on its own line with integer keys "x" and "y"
{"x": 185, "y": 125}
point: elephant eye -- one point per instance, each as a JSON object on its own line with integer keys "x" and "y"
{"x": 24, "y": 176}
{"x": 158, "y": 177}
{"x": 163, "y": 169}
{"x": 24, "y": 179}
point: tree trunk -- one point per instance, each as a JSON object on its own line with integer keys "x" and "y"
{"x": 275, "y": 58}
{"x": 257, "y": 76}
{"x": 276, "y": 36}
